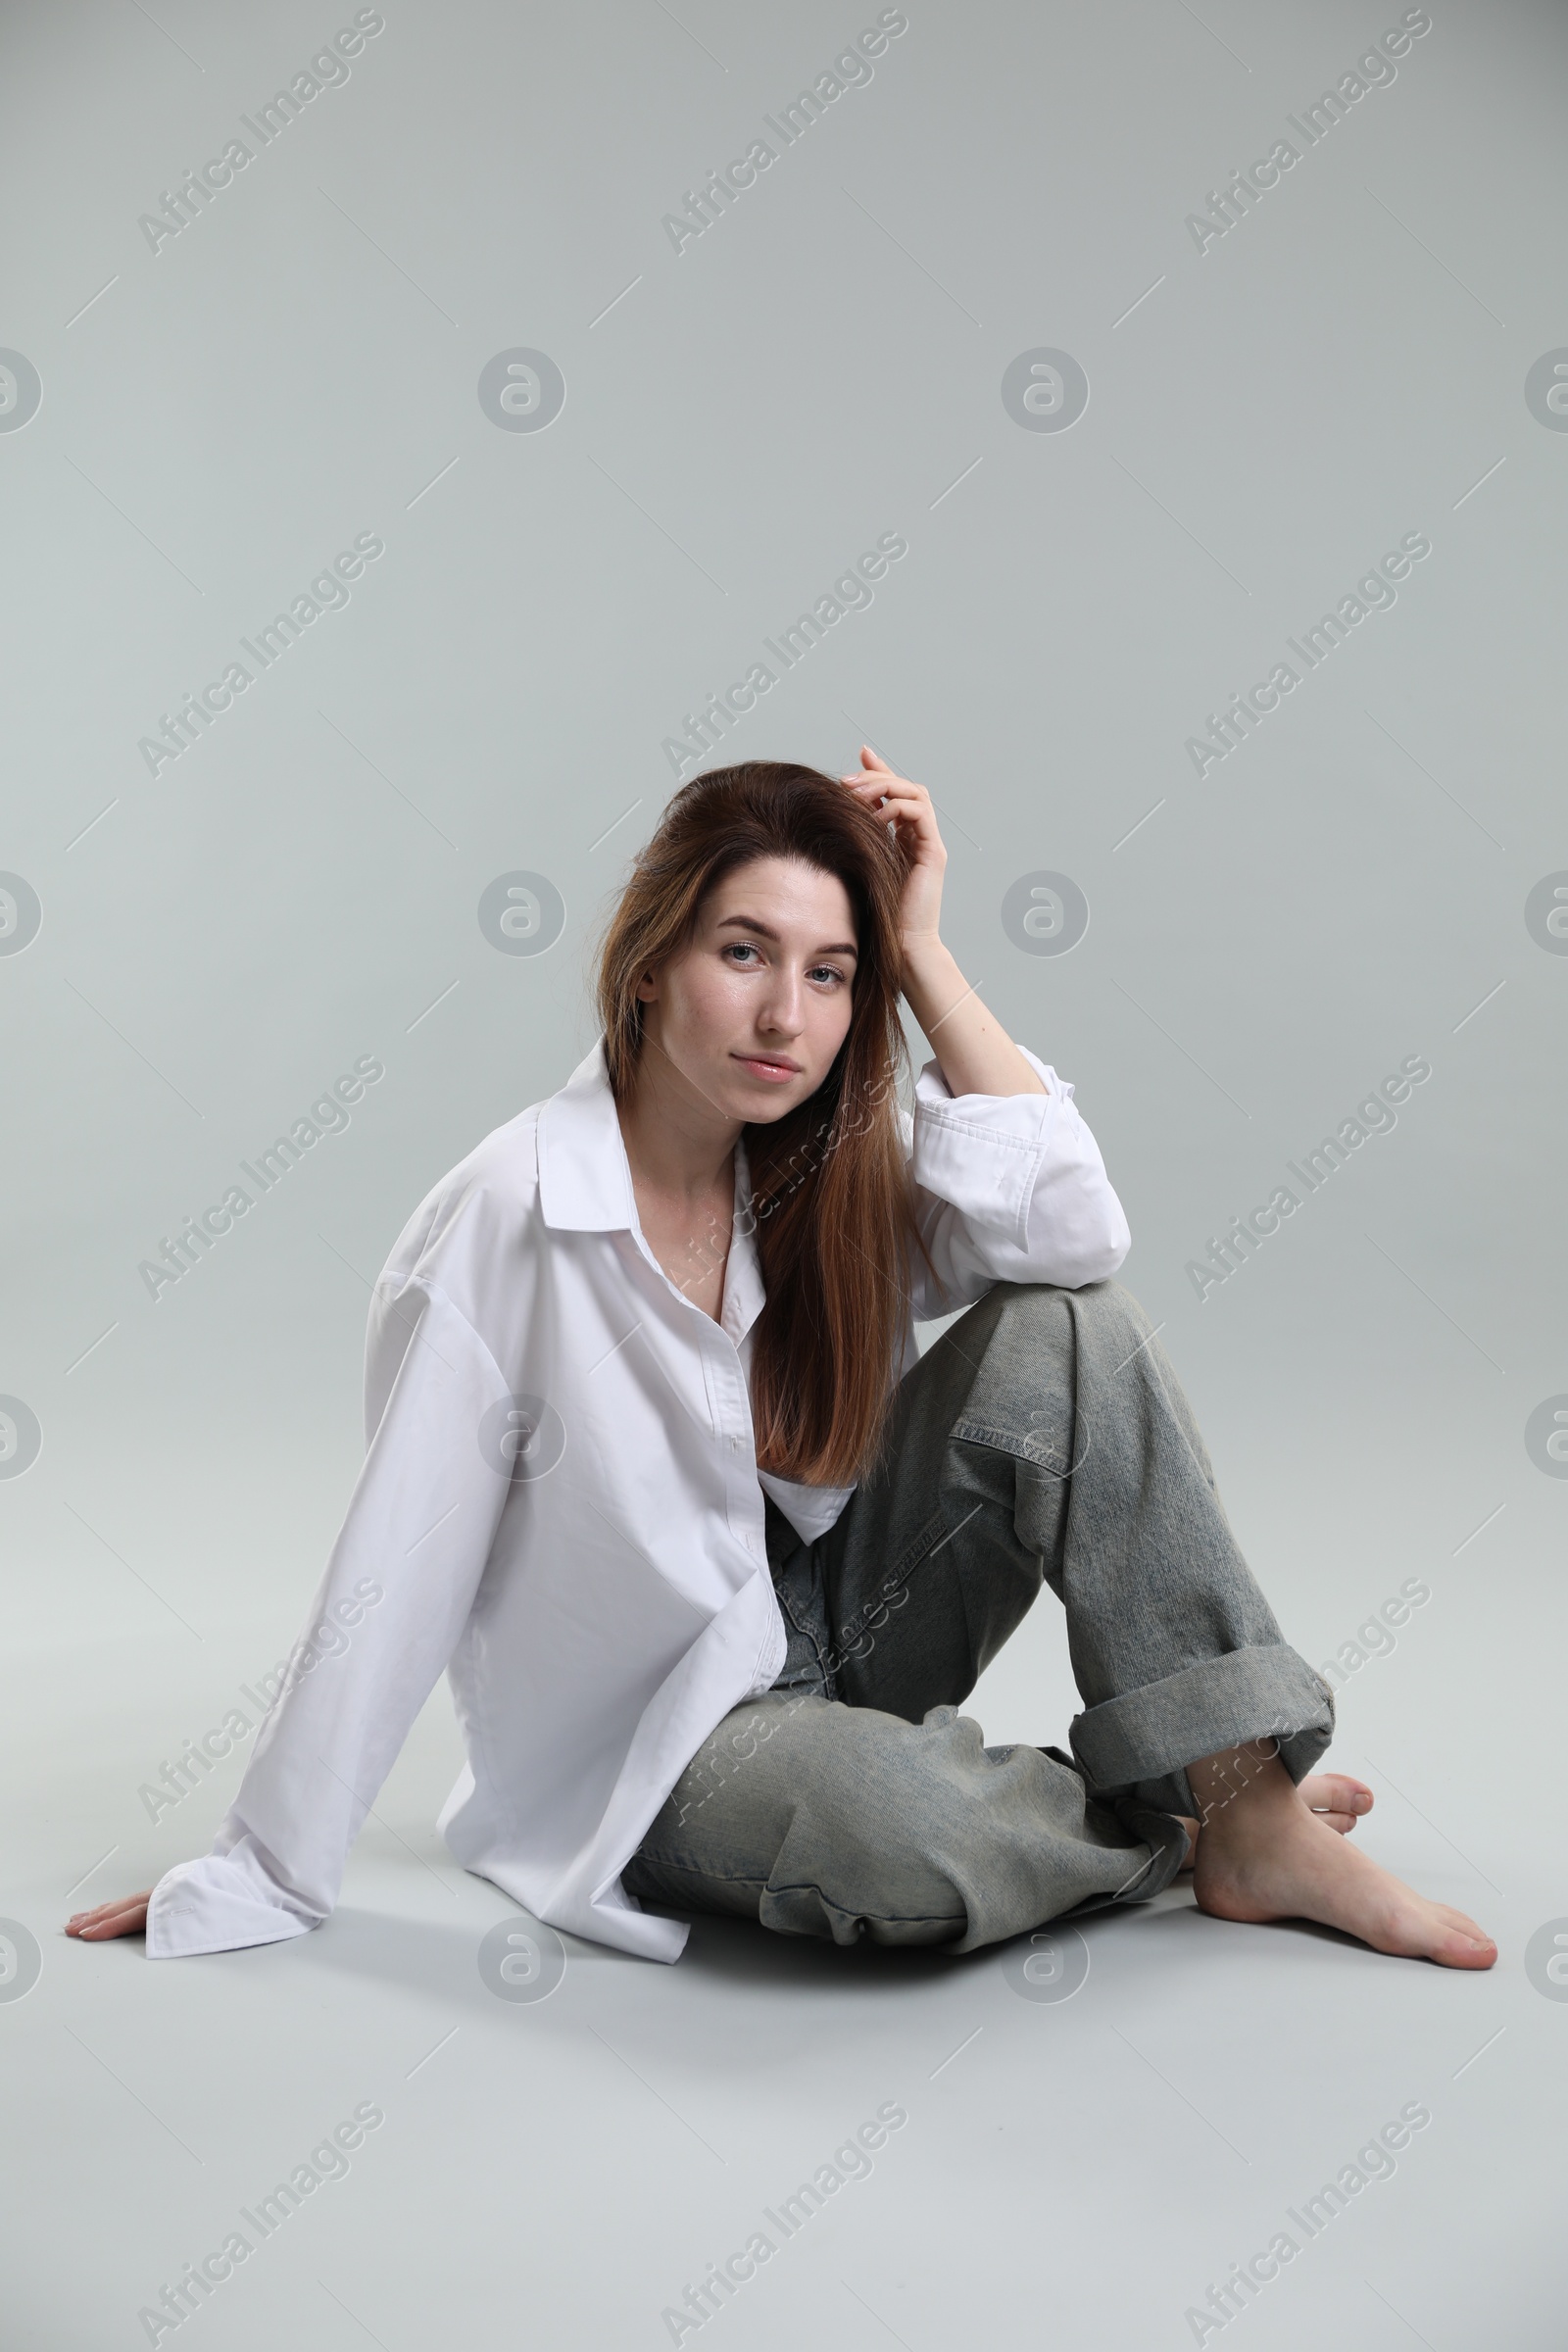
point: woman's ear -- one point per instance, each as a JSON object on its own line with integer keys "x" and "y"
{"x": 647, "y": 988}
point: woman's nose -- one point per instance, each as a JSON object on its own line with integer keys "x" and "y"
{"x": 782, "y": 1010}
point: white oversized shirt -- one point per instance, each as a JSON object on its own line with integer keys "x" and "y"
{"x": 560, "y": 1503}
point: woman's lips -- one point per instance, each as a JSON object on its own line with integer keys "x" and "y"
{"x": 777, "y": 1073}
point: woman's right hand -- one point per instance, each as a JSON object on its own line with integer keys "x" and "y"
{"x": 126, "y": 1915}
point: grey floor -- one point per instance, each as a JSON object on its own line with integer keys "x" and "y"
{"x": 1079, "y": 2170}
{"x": 191, "y": 948}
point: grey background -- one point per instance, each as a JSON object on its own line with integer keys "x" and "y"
{"x": 301, "y": 888}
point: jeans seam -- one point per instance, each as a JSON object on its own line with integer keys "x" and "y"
{"x": 825, "y": 1677}
{"x": 1021, "y": 1449}
{"x": 763, "y": 1886}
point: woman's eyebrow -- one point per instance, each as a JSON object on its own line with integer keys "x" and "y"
{"x": 749, "y": 923}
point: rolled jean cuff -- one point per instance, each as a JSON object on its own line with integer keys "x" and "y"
{"x": 1141, "y": 1743}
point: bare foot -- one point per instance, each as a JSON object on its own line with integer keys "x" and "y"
{"x": 1266, "y": 1854}
{"x": 126, "y": 1915}
{"x": 1337, "y": 1799}
{"x": 1334, "y": 1796}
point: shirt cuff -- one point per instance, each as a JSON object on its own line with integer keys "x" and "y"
{"x": 994, "y": 1185}
{"x": 217, "y": 1904}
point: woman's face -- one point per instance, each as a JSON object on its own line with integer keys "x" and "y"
{"x": 753, "y": 1012}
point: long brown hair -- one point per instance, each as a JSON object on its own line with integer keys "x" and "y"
{"x": 835, "y": 1214}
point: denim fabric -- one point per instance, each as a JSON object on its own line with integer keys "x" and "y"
{"x": 1043, "y": 1439}
{"x": 801, "y": 1585}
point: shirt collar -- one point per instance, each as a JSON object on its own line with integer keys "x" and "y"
{"x": 584, "y": 1177}
{"x": 744, "y": 1293}
{"x": 585, "y": 1183}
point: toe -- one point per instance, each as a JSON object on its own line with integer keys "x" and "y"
{"x": 1457, "y": 1939}
{"x": 1339, "y": 1790}
{"x": 1335, "y": 1798}
{"x": 1457, "y": 1949}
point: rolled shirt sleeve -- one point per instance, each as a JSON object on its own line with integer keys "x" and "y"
{"x": 1008, "y": 1188}
{"x": 392, "y": 1602}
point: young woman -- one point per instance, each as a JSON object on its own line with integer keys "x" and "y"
{"x": 712, "y": 1555}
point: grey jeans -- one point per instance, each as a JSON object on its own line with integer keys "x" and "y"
{"x": 1043, "y": 1437}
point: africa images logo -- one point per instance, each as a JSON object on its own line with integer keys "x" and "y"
{"x": 327, "y": 1116}
{"x": 328, "y": 69}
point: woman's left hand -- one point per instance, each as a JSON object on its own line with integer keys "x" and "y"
{"x": 907, "y": 806}
{"x": 977, "y": 1055}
